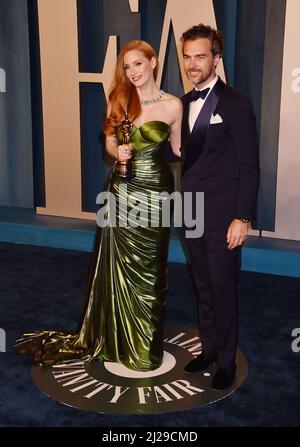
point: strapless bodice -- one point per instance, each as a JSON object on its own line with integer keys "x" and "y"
{"x": 149, "y": 161}
{"x": 148, "y": 133}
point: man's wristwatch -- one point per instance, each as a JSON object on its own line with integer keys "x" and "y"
{"x": 243, "y": 220}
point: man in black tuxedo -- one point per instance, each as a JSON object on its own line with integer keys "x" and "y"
{"x": 219, "y": 158}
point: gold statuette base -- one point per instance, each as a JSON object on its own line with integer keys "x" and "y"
{"x": 124, "y": 169}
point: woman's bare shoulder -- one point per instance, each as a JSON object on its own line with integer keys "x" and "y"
{"x": 169, "y": 97}
{"x": 173, "y": 101}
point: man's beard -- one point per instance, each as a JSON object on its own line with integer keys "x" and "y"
{"x": 204, "y": 77}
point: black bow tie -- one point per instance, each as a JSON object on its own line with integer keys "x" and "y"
{"x": 196, "y": 94}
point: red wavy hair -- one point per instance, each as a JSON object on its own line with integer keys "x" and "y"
{"x": 123, "y": 95}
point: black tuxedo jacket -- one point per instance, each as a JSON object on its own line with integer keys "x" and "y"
{"x": 221, "y": 159}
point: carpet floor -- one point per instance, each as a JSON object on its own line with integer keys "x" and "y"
{"x": 42, "y": 288}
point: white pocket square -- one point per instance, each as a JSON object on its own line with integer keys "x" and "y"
{"x": 215, "y": 119}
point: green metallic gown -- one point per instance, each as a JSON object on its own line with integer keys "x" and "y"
{"x": 124, "y": 312}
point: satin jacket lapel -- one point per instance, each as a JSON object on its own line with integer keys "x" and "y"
{"x": 185, "y": 133}
{"x": 196, "y": 141}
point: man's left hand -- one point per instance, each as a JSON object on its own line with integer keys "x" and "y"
{"x": 237, "y": 233}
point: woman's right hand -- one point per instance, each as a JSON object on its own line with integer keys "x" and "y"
{"x": 124, "y": 152}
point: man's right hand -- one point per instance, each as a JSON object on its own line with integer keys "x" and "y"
{"x": 237, "y": 233}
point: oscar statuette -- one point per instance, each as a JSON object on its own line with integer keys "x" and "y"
{"x": 124, "y": 167}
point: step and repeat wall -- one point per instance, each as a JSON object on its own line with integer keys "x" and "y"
{"x": 56, "y": 67}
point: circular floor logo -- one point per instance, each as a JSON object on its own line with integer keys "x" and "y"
{"x": 112, "y": 388}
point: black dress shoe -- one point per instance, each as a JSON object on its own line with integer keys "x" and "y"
{"x": 223, "y": 379}
{"x": 198, "y": 364}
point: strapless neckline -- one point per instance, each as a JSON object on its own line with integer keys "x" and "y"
{"x": 150, "y": 122}
{"x": 148, "y": 133}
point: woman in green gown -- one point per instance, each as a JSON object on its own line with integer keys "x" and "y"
{"x": 125, "y": 297}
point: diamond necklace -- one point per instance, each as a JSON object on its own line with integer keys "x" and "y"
{"x": 146, "y": 102}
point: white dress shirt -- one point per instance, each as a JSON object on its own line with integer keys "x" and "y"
{"x": 196, "y": 106}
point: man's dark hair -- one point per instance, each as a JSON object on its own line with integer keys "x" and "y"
{"x": 205, "y": 31}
